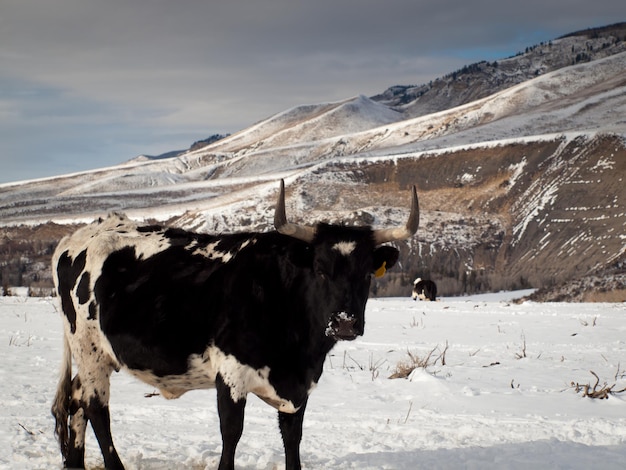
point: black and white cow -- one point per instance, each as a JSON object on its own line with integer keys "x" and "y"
{"x": 424, "y": 289}
{"x": 242, "y": 313}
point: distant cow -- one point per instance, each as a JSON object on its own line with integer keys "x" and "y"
{"x": 424, "y": 289}
{"x": 242, "y": 313}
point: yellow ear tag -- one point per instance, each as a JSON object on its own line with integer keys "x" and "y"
{"x": 380, "y": 272}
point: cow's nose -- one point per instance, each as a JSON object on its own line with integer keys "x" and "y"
{"x": 342, "y": 326}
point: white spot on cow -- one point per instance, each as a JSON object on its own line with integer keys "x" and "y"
{"x": 223, "y": 256}
{"x": 78, "y": 424}
{"x": 202, "y": 372}
{"x": 211, "y": 251}
{"x": 345, "y": 248}
{"x": 243, "y": 379}
{"x": 414, "y": 294}
{"x": 150, "y": 246}
{"x": 251, "y": 241}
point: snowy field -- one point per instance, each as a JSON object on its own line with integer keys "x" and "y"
{"x": 500, "y": 395}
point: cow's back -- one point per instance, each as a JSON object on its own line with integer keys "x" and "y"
{"x": 100, "y": 238}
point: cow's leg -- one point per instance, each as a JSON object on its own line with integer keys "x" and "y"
{"x": 75, "y": 457}
{"x": 95, "y": 405}
{"x": 291, "y": 429}
{"x": 98, "y": 413}
{"x": 231, "y": 415}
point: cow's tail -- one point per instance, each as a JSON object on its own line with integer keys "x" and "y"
{"x": 61, "y": 404}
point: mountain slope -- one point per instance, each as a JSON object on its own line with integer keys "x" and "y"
{"x": 581, "y": 98}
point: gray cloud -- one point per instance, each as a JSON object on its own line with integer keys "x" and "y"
{"x": 88, "y": 83}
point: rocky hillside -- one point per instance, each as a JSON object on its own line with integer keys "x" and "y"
{"x": 511, "y": 215}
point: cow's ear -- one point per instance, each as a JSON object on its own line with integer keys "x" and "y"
{"x": 384, "y": 258}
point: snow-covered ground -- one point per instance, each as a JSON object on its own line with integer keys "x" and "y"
{"x": 503, "y": 398}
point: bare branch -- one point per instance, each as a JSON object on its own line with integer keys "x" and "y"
{"x": 408, "y": 412}
{"x": 522, "y": 354}
{"x": 593, "y": 392}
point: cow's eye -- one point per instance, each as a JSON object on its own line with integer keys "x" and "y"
{"x": 323, "y": 271}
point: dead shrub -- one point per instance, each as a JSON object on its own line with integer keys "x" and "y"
{"x": 404, "y": 368}
{"x": 593, "y": 392}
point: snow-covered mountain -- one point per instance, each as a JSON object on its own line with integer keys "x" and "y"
{"x": 523, "y": 186}
{"x": 484, "y": 78}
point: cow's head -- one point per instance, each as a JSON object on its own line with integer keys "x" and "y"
{"x": 415, "y": 294}
{"x": 342, "y": 261}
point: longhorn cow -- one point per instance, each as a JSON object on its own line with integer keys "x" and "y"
{"x": 242, "y": 313}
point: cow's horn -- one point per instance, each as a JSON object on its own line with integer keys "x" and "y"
{"x": 301, "y": 232}
{"x": 401, "y": 233}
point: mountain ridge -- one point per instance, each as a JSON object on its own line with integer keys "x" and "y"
{"x": 480, "y": 79}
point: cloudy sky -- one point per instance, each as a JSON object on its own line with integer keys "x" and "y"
{"x": 91, "y": 83}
